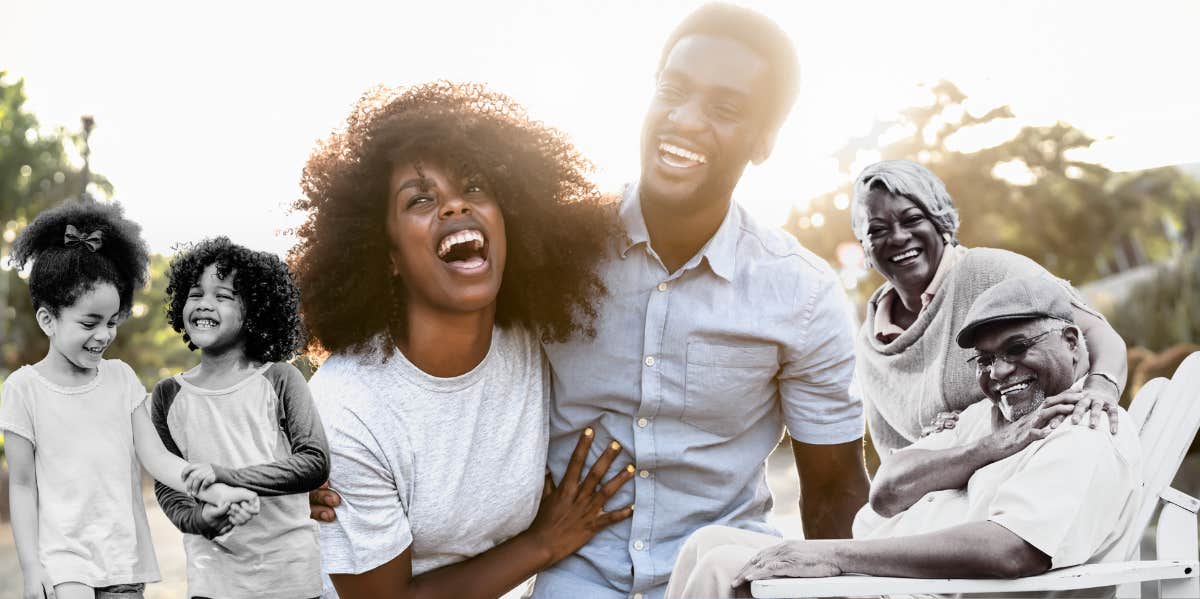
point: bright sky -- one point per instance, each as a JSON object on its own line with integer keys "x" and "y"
{"x": 206, "y": 111}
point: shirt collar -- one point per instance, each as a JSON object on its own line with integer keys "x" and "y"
{"x": 720, "y": 252}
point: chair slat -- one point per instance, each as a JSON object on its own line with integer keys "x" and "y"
{"x": 1143, "y": 402}
{"x": 1167, "y": 434}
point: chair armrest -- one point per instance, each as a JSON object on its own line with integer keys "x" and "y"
{"x": 1076, "y": 577}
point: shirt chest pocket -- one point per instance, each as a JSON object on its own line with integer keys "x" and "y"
{"x": 726, "y": 387}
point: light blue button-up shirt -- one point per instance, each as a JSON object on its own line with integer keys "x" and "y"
{"x": 696, "y": 373}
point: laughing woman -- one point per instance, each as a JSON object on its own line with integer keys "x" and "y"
{"x": 447, "y": 234}
{"x": 909, "y": 369}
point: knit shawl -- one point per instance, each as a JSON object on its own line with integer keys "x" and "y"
{"x": 905, "y": 383}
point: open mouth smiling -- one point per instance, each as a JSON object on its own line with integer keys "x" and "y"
{"x": 465, "y": 249}
{"x": 906, "y": 257}
{"x": 1012, "y": 389}
{"x": 205, "y": 323}
{"x": 680, "y": 157}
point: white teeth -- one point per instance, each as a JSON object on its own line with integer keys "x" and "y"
{"x": 682, "y": 153}
{"x": 453, "y": 239}
{"x": 204, "y": 323}
{"x": 905, "y": 255}
{"x": 1014, "y": 388}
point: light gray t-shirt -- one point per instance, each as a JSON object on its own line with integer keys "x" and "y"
{"x": 449, "y": 466}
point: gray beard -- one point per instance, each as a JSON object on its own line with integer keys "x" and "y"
{"x": 1015, "y": 413}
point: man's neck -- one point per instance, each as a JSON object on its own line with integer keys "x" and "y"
{"x": 445, "y": 344}
{"x": 677, "y": 235}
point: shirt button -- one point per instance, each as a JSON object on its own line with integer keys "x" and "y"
{"x": 643, "y": 422}
{"x": 644, "y": 474}
{"x": 639, "y": 545}
{"x": 649, "y": 360}
{"x": 662, "y": 286}
{"x": 637, "y": 596}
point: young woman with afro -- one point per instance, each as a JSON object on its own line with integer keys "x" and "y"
{"x": 447, "y": 235}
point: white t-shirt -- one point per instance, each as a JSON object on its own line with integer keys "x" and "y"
{"x": 92, "y": 524}
{"x": 1071, "y": 495}
{"x": 449, "y": 466}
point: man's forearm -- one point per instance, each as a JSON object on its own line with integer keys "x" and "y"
{"x": 833, "y": 487}
{"x": 973, "y": 550}
{"x": 909, "y": 474}
{"x": 831, "y": 515}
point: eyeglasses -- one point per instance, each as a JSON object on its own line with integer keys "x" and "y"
{"x": 1011, "y": 353}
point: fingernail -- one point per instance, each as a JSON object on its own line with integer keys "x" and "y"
{"x": 587, "y": 432}
{"x": 615, "y": 446}
{"x": 631, "y": 506}
{"x": 629, "y": 468}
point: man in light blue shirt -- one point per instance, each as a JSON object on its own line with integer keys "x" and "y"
{"x": 716, "y": 332}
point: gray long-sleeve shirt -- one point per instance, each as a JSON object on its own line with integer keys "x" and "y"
{"x": 262, "y": 434}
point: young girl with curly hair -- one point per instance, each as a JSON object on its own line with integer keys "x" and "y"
{"x": 77, "y": 424}
{"x": 246, "y": 416}
{"x": 447, "y": 234}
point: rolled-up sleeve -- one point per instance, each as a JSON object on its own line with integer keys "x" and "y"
{"x": 814, "y": 381}
{"x": 372, "y": 527}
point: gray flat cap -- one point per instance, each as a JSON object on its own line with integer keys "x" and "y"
{"x": 1021, "y": 298}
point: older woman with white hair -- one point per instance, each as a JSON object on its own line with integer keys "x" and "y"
{"x": 909, "y": 370}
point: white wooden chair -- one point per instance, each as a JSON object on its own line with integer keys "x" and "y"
{"x": 1167, "y": 413}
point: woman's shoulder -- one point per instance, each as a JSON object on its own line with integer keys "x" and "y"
{"x": 517, "y": 340}
{"x": 984, "y": 259}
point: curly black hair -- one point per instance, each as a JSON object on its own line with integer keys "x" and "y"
{"x": 557, "y": 223}
{"x": 271, "y": 327}
{"x": 103, "y": 247}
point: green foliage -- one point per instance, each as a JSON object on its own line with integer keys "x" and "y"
{"x": 1165, "y": 310}
{"x": 38, "y": 170}
{"x": 145, "y": 341}
{"x": 1072, "y": 217}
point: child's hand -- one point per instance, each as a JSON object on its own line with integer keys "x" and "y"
{"x": 37, "y": 586}
{"x": 223, "y": 494}
{"x": 197, "y": 477}
{"x": 217, "y": 517}
{"x": 242, "y": 511}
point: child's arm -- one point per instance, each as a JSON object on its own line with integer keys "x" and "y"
{"x": 187, "y": 514}
{"x": 167, "y": 467}
{"x": 23, "y": 505}
{"x": 308, "y": 466}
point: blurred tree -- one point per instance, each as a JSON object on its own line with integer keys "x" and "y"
{"x": 37, "y": 170}
{"x": 1164, "y": 310}
{"x": 1026, "y": 194}
{"x": 145, "y": 341}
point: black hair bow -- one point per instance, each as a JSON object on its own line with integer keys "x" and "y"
{"x": 73, "y": 238}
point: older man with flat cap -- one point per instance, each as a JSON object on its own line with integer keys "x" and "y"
{"x": 1012, "y": 490}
